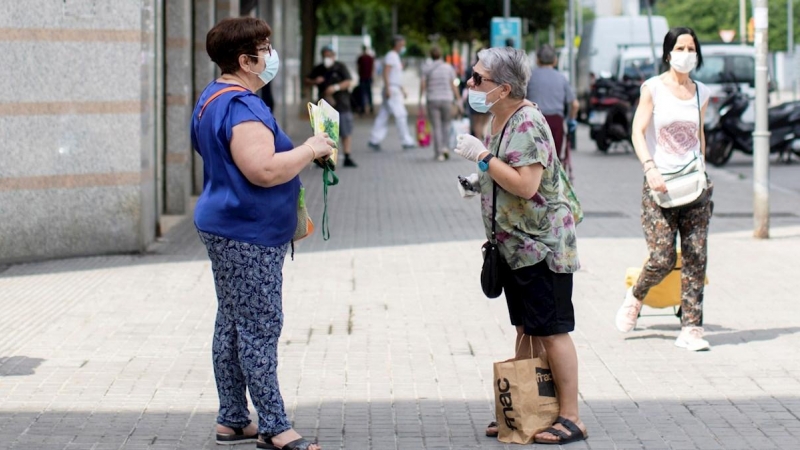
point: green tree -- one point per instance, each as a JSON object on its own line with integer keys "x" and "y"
{"x": 709, "y": 16}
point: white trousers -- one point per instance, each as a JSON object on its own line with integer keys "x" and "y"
{"x": 396, "y": 107}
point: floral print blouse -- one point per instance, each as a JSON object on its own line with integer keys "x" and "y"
{"x": 530, "y": 230}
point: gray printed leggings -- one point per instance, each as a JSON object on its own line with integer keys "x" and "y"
{"x": 661, "y": 227}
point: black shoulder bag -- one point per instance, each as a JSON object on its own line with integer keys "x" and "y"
{"x": 490, "y": 273}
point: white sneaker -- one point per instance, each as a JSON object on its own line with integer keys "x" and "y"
{"x": 628, "y": 313}
{"x": 691, "y": 338}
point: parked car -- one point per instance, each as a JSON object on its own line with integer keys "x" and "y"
{"x": 723, "y": 64}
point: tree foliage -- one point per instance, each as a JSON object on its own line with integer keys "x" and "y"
{"x": 463, "y": 20}
{"x": 707, "y": 17}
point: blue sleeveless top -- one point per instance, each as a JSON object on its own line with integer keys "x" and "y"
{"x": 230, "y": 206}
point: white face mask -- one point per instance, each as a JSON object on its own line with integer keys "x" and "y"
{"x": 477, "y": 100}
{"x": 683, "y": 62}
{"x": 327, "y": 61}
{"x": 271, "y": 65}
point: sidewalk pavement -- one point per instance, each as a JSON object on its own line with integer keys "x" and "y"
{"x": 388, "y": 342}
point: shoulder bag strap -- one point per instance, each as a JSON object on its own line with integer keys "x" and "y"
{"x": 217, "y": 94}
{"x": 494, "y": 183}
{"x": 699, "y": 119}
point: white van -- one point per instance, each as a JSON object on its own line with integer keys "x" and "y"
{"x": 600, "y": 44}
{"x": 636, "y": 63}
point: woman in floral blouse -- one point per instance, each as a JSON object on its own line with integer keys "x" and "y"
{"x": 535, "y": 226}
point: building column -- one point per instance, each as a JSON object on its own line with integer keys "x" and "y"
{"x": 226, "y": 8}
{"x": 179, "y": 105}
{"x": 204, "y": 19}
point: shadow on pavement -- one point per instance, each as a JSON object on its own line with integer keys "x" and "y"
{"x": 419, "y": 425}
{"x": 730, "y": 337}
{"x": 14, "y": 366}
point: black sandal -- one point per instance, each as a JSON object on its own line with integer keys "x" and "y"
{"x": 575, "y": 433}
{"x": 297, "y": 444}
{"x": 492, "y": 433}
{"x": 238, "y": 437}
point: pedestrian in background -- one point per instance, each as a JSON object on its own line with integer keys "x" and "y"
{"x": 393, "y": 99}
{"x": 366, "y": 67}
{"x": 246, "y": 217}
{"x": 535, "y": 225}
{"x": 667, "y": 136}
{"x": 477, "y": 120}
{"x": 441, "y": 94}
{"x": 333, "y": 83}
{"x": 551, "y": 91}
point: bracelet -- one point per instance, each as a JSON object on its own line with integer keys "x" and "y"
{"x": 649, "y": 160}
{"x": 313, "y": 152}
{"x": 649, "y": 169}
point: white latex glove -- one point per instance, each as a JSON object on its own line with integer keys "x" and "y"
{"x": 469, "y": 147}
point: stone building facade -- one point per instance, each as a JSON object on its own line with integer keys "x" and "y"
{"x": 94, "y": 117}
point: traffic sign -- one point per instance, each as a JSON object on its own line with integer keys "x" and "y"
{"x": 727, "y": 35}
{"x": 505, "y": 31}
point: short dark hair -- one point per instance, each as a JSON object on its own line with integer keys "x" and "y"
{"x": 396, "y": 39}
{"x": 233, "y": 37}
{"x": 436, "y": 53}
{"x": 546, "y": 55}
{"x": 672, "y": 37}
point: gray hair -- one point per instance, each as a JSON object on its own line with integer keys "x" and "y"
{"x": 546, "y": 55}
{"x": 507, "y": 65}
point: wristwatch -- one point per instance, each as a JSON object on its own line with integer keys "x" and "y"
{"x": 483, "y": 164}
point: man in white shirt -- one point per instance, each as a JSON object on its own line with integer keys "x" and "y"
{"x": 393, "y": 99}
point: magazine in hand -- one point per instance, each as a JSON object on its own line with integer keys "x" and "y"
{"x": 325, "y": 119}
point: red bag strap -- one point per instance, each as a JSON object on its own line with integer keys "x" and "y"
{"x": 217, "y": 94}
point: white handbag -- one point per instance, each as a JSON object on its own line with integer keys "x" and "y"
{"x": 684, "y": 186}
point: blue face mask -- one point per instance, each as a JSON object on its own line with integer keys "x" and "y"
{"x": 477, "y": 100}
{"x": 403, "y": 50}
{"x": 271, "y": 65}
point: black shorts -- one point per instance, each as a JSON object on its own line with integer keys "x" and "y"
{"x": 539, "y": 300}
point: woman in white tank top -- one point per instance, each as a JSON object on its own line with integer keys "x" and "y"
{"x": 667, "y": 135}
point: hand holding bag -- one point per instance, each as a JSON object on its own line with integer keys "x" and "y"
{"x": 687, "y": 184}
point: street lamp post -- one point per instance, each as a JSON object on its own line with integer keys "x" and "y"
{"x": 742, "y": 19}
{"x": 761, "y": 133}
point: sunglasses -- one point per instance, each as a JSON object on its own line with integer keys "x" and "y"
{"x": 477, "y": 79}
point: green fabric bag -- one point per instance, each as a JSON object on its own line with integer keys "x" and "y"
{"x": 572, "y": 198}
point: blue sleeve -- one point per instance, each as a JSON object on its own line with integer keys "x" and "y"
{"x": 249, "y": 108}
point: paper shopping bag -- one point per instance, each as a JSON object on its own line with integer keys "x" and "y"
{"x": 525, "y": 399}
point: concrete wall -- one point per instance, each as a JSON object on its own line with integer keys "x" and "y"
{"x": 76, "y": 176}
{"x": 94, "y": 117}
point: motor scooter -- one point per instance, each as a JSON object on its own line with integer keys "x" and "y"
{"x": 727, "y": 132}
{"x": 612, "y": 106}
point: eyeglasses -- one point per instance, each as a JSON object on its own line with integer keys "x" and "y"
{"x": 477, "y": 79}
{"x": 267, "y": 49}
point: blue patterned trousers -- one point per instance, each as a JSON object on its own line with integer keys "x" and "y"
{"x": 248, "y": 281}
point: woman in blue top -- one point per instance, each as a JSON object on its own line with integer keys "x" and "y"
{"x": 246, "y": 217}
